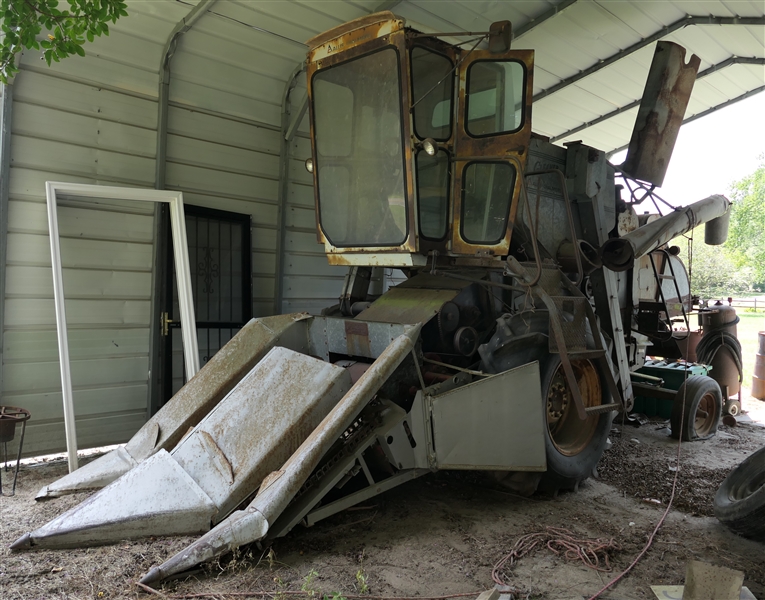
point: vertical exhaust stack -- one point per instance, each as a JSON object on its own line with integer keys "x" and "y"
{"x": 662, "y": 108}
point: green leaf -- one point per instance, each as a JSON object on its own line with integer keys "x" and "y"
{"x": 66, "y": 27}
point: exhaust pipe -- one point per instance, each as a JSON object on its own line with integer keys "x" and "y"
{"x": 619, "y": 254}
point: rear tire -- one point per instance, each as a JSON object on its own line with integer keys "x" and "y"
{"x": 573, "y": 446}
{"x": 698, "y": 404}
{"x": 740, "y": 500}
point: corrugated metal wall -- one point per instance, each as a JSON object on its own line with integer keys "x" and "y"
{"x": 91, "y": 120}
{"x": 94, "y": 120}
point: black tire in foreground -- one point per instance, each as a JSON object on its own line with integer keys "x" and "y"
{"x": 740, "y": 500}
{"x": 697, "y": 409}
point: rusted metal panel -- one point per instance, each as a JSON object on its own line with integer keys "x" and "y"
{"x": 346, "y": 36}
{"x": 357, "y": 338}
{"x": 661, "y": 112}
{"x": 374, "y": 259}
{"x": 192, "y": 402}
{"x": 511, "y": 148}
{"x": 329, "y": 335}
{"x": 408, "y": 305}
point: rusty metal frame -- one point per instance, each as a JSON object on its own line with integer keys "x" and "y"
{"x": 511, "y": 147}
{"x": 354, "y": 44}
{"x": 287, "y": 131}
{"x": 439, "y": 47}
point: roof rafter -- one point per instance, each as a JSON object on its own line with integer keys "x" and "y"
{"x": 733, "y": 60}
{"x": 386, "y": 5}
{"x": 536, "y": 22}
{"x": 704, "y": 113}
{"x": 664, "y": 31}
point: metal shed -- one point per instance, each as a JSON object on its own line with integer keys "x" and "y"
{"x": 209, "y": 99}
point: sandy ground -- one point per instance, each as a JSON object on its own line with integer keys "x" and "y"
{"x": 441, "y": 534}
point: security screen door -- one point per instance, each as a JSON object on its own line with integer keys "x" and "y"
{"x": 219, "y": 257}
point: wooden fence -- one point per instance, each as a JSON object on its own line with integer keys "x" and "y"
{"x": 756, "y": 304}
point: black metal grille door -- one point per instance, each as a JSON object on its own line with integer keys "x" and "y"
{"x": 219, "y": 259}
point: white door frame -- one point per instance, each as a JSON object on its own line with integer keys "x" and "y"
{"x": 185, "y": 299}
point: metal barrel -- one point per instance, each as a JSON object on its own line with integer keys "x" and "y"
{"x": 758, "y": 380}
{"x": 619, "y": 254}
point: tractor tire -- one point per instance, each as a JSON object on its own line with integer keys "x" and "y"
{"x": 698, "y": 404}
{"x": 573, "y": 446}
{"x": 740, "y": 500}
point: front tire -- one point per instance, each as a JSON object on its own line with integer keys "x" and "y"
{"x": 573, "y": 446}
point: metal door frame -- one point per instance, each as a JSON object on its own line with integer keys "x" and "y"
{"x": 165, "y": 301}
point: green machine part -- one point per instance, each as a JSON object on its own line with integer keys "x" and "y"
{"x": 673, "y": 373}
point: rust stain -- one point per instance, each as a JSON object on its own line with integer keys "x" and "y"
{"x": 357, "y": 338}
{"x": 662, "y": 108}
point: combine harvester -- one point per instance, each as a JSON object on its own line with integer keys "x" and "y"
{"x": 532, "y": 293}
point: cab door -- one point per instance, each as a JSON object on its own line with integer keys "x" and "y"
{"x": 492, "y": 139}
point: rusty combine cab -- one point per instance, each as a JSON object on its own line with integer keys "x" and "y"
{"x": 532, "y": 293}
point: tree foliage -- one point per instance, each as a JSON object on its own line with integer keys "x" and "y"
{"x": 746, "y": 236}
{"x": 737, "y": 267}
{"x": 66, "y": 29}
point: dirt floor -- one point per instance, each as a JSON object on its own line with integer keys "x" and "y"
{"x": 439, "y": 535}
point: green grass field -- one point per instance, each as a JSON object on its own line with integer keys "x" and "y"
{"x": 748, "y": 329}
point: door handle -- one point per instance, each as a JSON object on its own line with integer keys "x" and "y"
{"x": 165, "y": 323}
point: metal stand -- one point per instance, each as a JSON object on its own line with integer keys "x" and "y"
{"x": 10, "y": 416}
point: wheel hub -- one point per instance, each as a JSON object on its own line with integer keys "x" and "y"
{"x": 569, "y": 434}
{"x": 558, "y": 400}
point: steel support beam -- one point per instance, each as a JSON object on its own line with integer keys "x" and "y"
{"x": 160, "y": 246}
{"x": 703, "y": 113}
{"x": 288, "y": 130}
{"x": 6, "y": 106}
{"x": 733, "y": 60}
{"x": 554, "y": 11}
{"x": 386, "y": 5}
{"x": 164, "y": 85}
{"x": 664, "y": 31}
